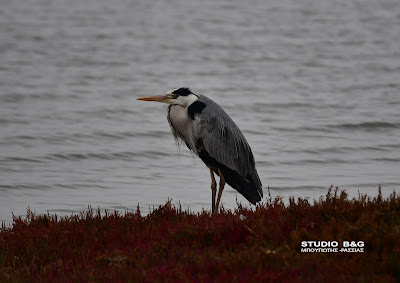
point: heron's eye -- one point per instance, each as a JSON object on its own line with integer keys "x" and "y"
{"x": 174, "y": 96}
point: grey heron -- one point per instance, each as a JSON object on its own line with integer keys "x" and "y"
{"x": 212, "y": 135}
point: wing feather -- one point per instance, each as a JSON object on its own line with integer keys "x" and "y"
{"x": 224, "y": 141}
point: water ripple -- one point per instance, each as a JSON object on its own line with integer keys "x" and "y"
{"x": 315, "y": 92}
{"x": 366, "y": 126}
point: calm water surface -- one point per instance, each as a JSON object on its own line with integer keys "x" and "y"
{"x": 314, "y": 86}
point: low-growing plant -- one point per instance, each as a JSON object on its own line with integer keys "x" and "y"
{"x": 170, "y": 244}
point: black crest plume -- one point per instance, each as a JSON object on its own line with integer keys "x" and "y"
{"x": 183, "y": 91}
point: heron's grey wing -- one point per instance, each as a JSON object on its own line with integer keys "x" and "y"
{"x": 224, "y": 142}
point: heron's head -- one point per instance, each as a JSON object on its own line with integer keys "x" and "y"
{"x": 181, "y": 96}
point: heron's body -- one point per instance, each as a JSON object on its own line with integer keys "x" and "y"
{"x": 211, "y": 134}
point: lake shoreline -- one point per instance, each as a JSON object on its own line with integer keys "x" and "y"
{"x": 335, "y": 237}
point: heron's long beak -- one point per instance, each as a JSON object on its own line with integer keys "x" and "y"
{"x": 159, "y": 98}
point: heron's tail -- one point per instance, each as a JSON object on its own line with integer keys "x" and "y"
{"x": 251, "y": 189}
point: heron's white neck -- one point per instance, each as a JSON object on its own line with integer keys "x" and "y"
{"x": 187, "y": 100}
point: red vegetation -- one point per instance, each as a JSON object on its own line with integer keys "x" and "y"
{"x": 173, "y": 245}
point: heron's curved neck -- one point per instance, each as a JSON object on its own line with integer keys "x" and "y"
{"x": 186, "y": 101}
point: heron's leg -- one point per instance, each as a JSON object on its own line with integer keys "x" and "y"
{"x": 213, "y": 190}
{"x": 221, "y": 188}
